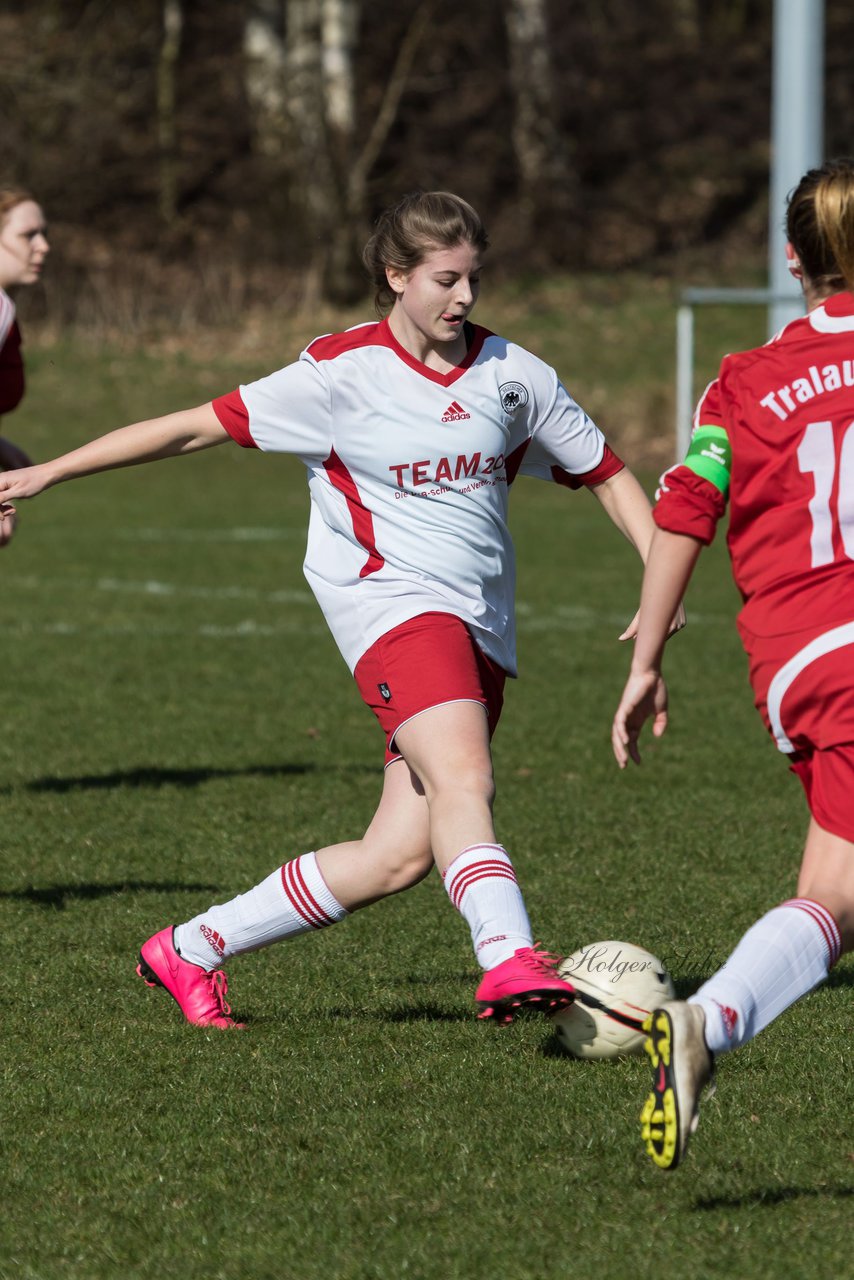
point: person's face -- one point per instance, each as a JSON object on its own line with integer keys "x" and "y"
{"x": 23, "y": 244}
{"x": 436, "y": 296}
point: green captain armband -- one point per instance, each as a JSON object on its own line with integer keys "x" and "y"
{"x": 710, "y": 456}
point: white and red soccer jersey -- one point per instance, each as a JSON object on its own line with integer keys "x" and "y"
{"x": 11, "y": 363}
{"x": 408, "y": 472}
{"x": 776, "y": 428}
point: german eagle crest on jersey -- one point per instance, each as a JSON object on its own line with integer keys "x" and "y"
{"x": 513, "y": 396}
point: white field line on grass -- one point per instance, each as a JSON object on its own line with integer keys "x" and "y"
{"x": 152, "y": 587}
{"x": 580, "y": 617}
{"x": 561, "y": 618}
{"x": 248, "y": 629}
{"x": 249, "y": 534}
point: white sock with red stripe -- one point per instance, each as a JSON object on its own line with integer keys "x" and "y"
{"x": 783, "y": 956}
{"x": 481, "y": 884}
{"x": 293, "y": 900}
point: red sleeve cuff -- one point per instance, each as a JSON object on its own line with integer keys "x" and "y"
{"x": 609, "y": 465}
{"x": 234, "y": 416}
{"x": 689, "y": 504}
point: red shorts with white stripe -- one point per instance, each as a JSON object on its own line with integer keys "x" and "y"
{"x": 804, "y": 688}
{"x": 423, "y": 663}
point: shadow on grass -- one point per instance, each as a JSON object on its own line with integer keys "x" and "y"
{"x": 553, "y": 1048}
{"x": 156, "y": 777}
{"x": 782, "y": 1195}
{"x": 689, "y": 983}
{"x": 56, "y": 897}
{"x": 403, "y": 1014}
{"x": 840, "y": 977}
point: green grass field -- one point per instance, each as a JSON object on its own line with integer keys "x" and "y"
{"x": 177, "y": 723}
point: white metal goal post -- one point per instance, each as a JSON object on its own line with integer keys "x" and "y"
{"x": 690, "y": 299}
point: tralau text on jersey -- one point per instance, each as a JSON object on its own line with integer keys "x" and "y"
{"x": 830, "y": 377}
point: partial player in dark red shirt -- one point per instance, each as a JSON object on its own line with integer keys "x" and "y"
{"x": 774, "y": 439}
{"x": 23, "y": 247}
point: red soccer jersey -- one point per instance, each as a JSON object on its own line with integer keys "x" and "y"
{"x": 11, "y": 372}
{"x": 775, "y": 431}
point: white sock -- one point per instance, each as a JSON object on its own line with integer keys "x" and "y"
{"x": 783, "y": 956}
{"x": 293, "y": 900}
{"x": 481, "y": 884}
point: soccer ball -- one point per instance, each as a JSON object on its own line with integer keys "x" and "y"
{"x": 616, "y": 986}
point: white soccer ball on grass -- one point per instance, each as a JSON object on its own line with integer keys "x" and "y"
{"x": 617, "y": 985}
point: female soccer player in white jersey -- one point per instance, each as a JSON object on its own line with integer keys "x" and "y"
{"x": 774, "y": 433}
{"x": 411, "y": 430}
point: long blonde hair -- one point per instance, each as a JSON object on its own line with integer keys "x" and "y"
{"x": 820, "y": 224}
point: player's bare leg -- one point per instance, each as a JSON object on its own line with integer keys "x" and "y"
{"x": 827, "y": 876}
{"x": 393, "y": 854}
{"x": 310, "y": 892}
{"x": 447, "y": 748}
{"x": 452, "y": 810}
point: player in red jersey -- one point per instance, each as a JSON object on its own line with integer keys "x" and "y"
{"x": 23, "y": 247}
{"x": 773, "y": 435}
{"x": 411, "y": 430}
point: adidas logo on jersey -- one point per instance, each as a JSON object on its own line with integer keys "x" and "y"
{"x": 455, "y": 412}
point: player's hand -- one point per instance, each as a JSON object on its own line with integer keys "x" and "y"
{"x": 632, "y": 629}
{"x": 679, "y": 621}
{"x": 24, "y": 483}
{"x": 644, "y": 698}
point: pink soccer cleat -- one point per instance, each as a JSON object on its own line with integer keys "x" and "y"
{"x": 527, "y": 980}
{"x": 199, "y": 995}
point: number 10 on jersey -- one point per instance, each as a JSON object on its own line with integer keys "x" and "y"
{"x": 817, "y": 454}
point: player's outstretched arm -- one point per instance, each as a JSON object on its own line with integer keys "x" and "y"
{"x": 184, "y": 432}
{"x": 670, "y": 563}
{"x": 628, "y": 506}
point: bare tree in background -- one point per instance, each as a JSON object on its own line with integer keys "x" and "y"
{"x": 301, "y": 84}
{"x": 317, "y": 187}
{"x": 363, "y": 163}
{"x": 340, "y": 24}
{"x": 264, "y": 73}
{"x": 167, "y": 130}
{"x": 119, "y": 140}
{"x": 547, "y": 184}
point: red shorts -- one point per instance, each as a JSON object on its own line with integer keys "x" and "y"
{"x": 828, "y": 780}
{"x": 422, "y": 663}
{"x": 804, "y": 687}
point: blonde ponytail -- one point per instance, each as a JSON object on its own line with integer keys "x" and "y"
{"x": 820, "y": 224}
{"x": 834, "y": 215}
